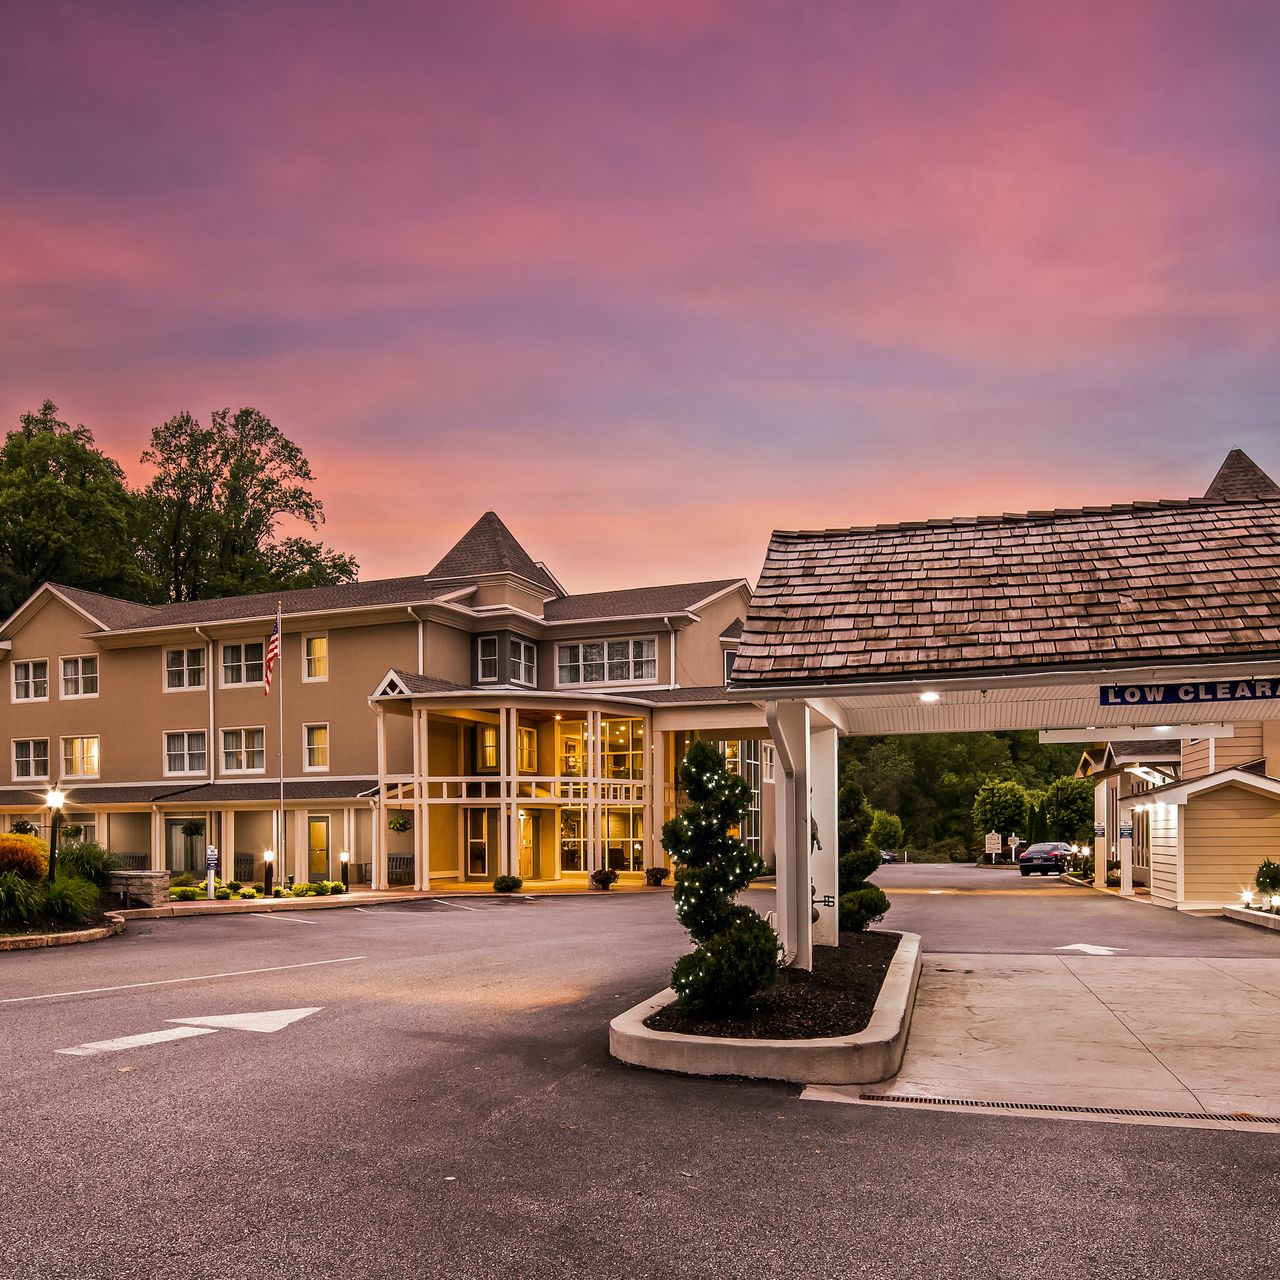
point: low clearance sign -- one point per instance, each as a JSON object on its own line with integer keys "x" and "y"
{"x": 1155, "y": 695}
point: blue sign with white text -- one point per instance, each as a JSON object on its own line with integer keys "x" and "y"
{"x": 1188, "y": 693}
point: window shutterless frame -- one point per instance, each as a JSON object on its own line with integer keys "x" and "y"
{"x": 524, "y": 662}
{"x": 486, "y": 659}
{"x": 315, "y": 657}
{"x": 81, "y": 757}
{"x": 30, "y": 681}
{"x": 185, "y": 669}
{"x": 244, "y": 749}
{"x": 241, "y": 663}
{"x": 30, "y": 759}
{"x": 78, "y": 676}
{"x": 315, "y": 748}
{"x": 622, "y": 660}
{"x": 188, "y": 748}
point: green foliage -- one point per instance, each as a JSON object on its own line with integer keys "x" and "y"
{"x": 88, "y": 860}
{"x": 1002, "y": 807}
{"x": 862, "y": 907}
{"x": 277, "y": 892}
{"x": 21, "y": 900}
{"x": 234, "y": 885}
{"x": 181, "y": 879}
{"x": 66, "y": 514}
{"x": 249, "y": 893}
{"x": 507, "y": 884}
{"x": 222, "y": 894}
{"x": 854, "y": 815}
{"x": 886, "y": 831}
{"x": 183, "y": 893}
{"x": 336, "y": 886}
{"x": 21, "y": 827}
{"x": 1268, "y": 877}
{"x": 1068, "y": 810}
{"x": 27, "y": 855}
{"x": 855, "y": 868}
{"x": 70, "y": 899}
{"x": 656, "y": 875}
{"x": 730, "y": 967}
{"x": 213, "y": 507}
{"x": 603, "y": 877}
{"x": 737, "y": 952}
{"x": 930, "y": 780}
{"x": 399, "y": 822}
{"x": 259, "y": 888}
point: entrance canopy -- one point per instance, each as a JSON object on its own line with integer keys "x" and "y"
{"x": 1150, "y": 614}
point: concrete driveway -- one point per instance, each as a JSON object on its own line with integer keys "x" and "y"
{"x": 1069, "y": 999}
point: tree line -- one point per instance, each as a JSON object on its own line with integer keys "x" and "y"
{"x": 934, "y": 791}
{"x": 207, "y": 524}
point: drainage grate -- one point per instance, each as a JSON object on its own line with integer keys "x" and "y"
{"x": 1237, "y": 1117}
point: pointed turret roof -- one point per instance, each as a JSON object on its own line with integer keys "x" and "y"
{"x": 1241, "y": 477}
{"x": 490, "y": 547}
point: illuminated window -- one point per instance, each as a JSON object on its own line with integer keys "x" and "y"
{"x": 527, "y": 750}
{"x": 573, "y": 839}
{"x": 80, "y": 757}
{"x": 487, "y": 747}
{"x": 317, "y": 746}
{"x": 624, "y": 839}
{"x": 316, "y": 649}
{"x": 622, "y": 749}
{"x": 607, "y": 661}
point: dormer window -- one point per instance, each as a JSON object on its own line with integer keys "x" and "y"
{"x": 524, "y": 662}
{"x": 487, "y": 659}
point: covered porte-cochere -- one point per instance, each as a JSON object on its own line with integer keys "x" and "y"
{"x": 1157, "y": 622}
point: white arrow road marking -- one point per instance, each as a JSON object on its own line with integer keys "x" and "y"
{"x": 135, "y": 1042}
{"x": 1088, "y": 949}
{"x": 267, "y": 1020}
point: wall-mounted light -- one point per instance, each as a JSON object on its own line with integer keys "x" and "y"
{"x": 931, "y": 696}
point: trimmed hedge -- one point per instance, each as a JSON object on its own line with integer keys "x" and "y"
{"x": 507, "y": 884}
{"x": 27, "y": 855}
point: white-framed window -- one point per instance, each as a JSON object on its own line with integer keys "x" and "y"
{"x": 80, "y": 757}
{"x": 31, "y": 680}
{"x": 242, "y": 662}
{"x": 315, "y": 741}
{"x": 80, "y": 677}
{"x": 244, "y": 750}
{"x": 487, "y": 658}
{"x": 184, "y": 668}
{"x": 31, "y": 758}
{"x": 526, "y": 750}
{"x": 487, "y": 747}
{"x": 766, "y": 761}
{"x": 729, "y": 655}
{"x": 186, "y": 751}
{"x": 315, "y": 657}
{"x": 607, "y": 661}
{"x": 524, "y": 662}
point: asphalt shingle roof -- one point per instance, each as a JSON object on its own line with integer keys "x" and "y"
{"x": 1161, "y": 581}
{"x": 634, "y": 602}
{"x": 1241, "y": 477}
{"x": 490, "y": 547}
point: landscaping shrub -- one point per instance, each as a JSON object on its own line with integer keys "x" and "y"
{"x": 184, "y": 893}
{"x": 234, "y": 885}
{"x": 248, "y": 893}
{"x": 222, "y": 894}
{"x": 71, "y": 898}
{"x": 320, "y": 888}
{"x": 737, "y": 951}
{"x": 277, "y": 892}
{"x": 88, "y": 860}
{"x": 603, "y": 877}
{"x": 21, "y": 899}
{"x": 862, "y": 907}
{"x": 181, "y": 879}
{"x": 857, "y": 866}
{"x": 21, "y": 827}
{"x": 336, "y": 886}
{"x": 27, "y": 855}
{"x": 259, "y": 888}
{"x": 507, "y": 884}
{"x": 304, "y": 890}
{"x": 1268, "y": 877}
{"x": 656, "y": 875}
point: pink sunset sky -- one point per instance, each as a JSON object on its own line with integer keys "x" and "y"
{"x": 651, "y": 279}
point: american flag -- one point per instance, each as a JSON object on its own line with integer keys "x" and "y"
{"x": 273, "y": 652}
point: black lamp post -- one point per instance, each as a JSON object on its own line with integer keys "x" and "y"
{"x": 268, "y": 873}
{"x": 345, "y": 859}
{"x": 55, "y": 799}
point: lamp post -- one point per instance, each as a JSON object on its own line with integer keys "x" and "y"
{"x": 268, "y": 859}
{"x": 345, "y": 858}
{"x": 55, "y": 799}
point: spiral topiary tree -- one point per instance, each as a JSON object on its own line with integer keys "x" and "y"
{"x": 737, "y": 951}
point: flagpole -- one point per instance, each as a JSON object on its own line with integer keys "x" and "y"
{"x": 280, "y": 744}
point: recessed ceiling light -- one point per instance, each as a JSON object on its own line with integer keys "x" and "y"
{"x": 929, "y": 695}
{"x": 1164, "y": 728}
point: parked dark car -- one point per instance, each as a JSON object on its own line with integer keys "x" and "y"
{"x": 887, "y": 855}
{"x": 1048, "y": 859}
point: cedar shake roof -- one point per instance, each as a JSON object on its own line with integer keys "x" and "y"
{"x": 1179, "y": 582}
{"x": 489, "y": 547}
{"x": 1241, "y": 477}
{"x": 636, "y": 602}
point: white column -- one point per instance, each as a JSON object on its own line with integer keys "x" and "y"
{"x": 1126, "y": 861}
{"x": 657, "y": 758}
{"x": 414, "y": 727}
{"x": 301, "y": 848}
{"x": 157, "y": 840}
{"x": 424, "y": 814}
{"x": 789, "y": 727}
{"x": 228, "y": 836}
{"x": 1102, "y": 809}
{"x": 824, "y": 862}
{"x": 378, "y": 868}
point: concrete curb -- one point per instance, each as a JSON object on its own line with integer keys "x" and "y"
{"x": 874, "y": 1053}
{"x": 1259, "y": 919}
{"x": 66, "y": 939}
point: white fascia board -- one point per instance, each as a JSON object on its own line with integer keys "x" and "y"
{"x": 37, "y": 599}
{"x": 740, "y": 585}
{"x": 1181, "y": 792}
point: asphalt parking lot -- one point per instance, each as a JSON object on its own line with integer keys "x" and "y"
{"x": 449, "y": 1109}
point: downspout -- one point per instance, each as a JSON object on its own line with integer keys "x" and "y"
{"x": 422, "y": 640}
{"x": 671, "y": 671}
{"x": 209, "y": 681}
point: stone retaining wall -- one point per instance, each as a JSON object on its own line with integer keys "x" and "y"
{"x": 140, "y": 888}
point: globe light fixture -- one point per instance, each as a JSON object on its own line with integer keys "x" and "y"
{"x": 55, "y": 799}
{"x": 269, "y": 861}
{"x": 345, "y": 858}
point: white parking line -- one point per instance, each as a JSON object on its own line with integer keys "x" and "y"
{"x": 166, "y": 982}
{"x": 444, "y": 902}
{"x": 271, "y": 915}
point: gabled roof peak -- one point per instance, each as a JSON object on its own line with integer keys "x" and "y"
{"x": 1241, "y": 477}
{"x": 490, "y": 547}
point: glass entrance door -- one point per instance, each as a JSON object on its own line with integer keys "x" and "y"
{"x": 530, "y": 830}
{"x": 318, "y": 848}
{"x": 184, "y": 845}
{"x": 476, "y": 839}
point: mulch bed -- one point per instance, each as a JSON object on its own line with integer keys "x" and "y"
{"x": 835, "y": 999}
